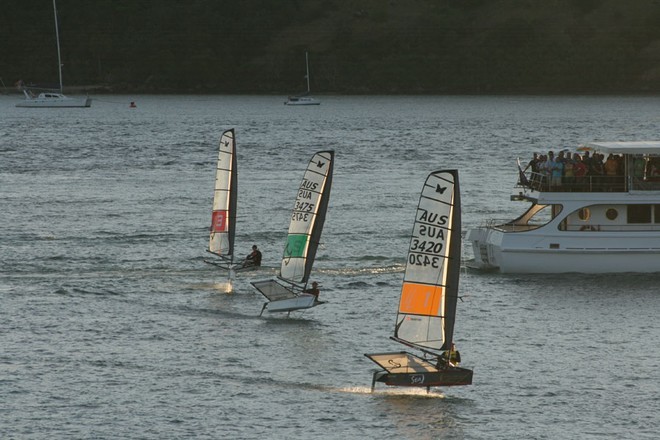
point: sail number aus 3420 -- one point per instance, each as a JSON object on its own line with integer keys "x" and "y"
{"x": 424, "y": 260}
{"x": 431, "y": 247}
{"x": 420, "y": 250}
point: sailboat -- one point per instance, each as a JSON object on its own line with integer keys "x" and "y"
{"x": 53, "y": 99}
{"x": 287, "y": 292}
{"x": 223, "y": 217}
{"x": 303, "y": 99}
{"x": 427, "y": 305}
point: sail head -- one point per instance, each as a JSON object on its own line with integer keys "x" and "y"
{"x": 427, "y": 305}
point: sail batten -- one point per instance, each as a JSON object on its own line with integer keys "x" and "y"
{"x": 223, "y": 219}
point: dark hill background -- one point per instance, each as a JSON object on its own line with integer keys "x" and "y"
{"x": 358, "y": 46}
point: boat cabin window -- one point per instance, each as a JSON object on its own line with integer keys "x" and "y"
{"x": 535, "y": 217}
{"x": 639, "y": 213}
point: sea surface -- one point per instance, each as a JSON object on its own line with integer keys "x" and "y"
{"x": 112, "y": 325}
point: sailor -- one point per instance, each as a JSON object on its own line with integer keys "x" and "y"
{"x": 314, "y": 290}
{"x": 254, "y": 258}
{"x": 454, "y": 356}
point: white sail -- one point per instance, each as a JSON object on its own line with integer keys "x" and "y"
{"x": 223, "y": 219}
{"x": 307, "y": 219}
{"x": 427, "y": 305}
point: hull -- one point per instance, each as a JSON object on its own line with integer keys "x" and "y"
{"x": 302, "y": 101}
{"x": 583, "y": 232}
{"x": 451, "y": 376}
{"x": 56, "y": 103}
{"x": 304, "y": 301}
{"x": 546, "y": 251}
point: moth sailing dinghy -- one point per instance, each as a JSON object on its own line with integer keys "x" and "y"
{"x": 287, "y": 292}
{"x": 223, "y": 217}
{"x": 427, "y": 306}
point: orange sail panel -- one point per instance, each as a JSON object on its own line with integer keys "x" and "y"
{"x": 421, "y": 299}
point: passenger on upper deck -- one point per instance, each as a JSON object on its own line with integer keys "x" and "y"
{"x": 556, "y": 169}
{"x": 569, "y": 172}
{"x": 580, "y": 172}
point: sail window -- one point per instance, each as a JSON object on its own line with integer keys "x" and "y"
{"x": 639, "y": 214}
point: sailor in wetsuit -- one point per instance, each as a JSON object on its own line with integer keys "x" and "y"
{"x": 454, "y": 356}
{"x": 314, "y": 290}
{"x": 254, "y": 259}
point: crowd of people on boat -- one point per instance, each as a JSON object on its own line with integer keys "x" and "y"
{"x": 568, "y": 171}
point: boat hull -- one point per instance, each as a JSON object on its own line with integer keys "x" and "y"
{"x": 545, "y": 251}
{"x": 450, "y": 376}
{"x": 303, "y": 301}
{"x": 56, "y": 103}
{"x": 302, "y": 101}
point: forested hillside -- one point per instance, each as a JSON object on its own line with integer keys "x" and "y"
{"x": 357, "y": 46}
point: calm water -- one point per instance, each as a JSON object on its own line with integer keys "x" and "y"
{"x": 112, "y": 325}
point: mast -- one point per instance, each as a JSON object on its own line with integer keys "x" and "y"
{"x": 307, "y": 67}
{"x": 429, "y": 293}
{"x": 307, "y": 219}
{"x": 57, "y": 37}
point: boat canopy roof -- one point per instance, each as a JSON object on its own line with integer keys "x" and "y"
{"x": 635, "y": 147}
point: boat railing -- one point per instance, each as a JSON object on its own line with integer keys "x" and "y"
{"x": 605, "y": 183}
{"x": 642, "y": 227}
{"x": 508, "y": 226}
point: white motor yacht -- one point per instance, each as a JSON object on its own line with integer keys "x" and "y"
{"x": 595, "y": 224}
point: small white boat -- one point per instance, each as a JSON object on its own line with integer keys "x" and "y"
{"x": 54, "y": 99}
{"x": 289, "y": 291}
{"x": 600, "y": 224}
{"x": 429, "y": 293}
{"x": 304, "y": 99}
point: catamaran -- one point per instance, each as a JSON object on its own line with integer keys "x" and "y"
{"x": 288, "y": 292}
{"x": 427, "y": 305}
{"x": 223, "y": 217}
{"x": 49, "y": 98}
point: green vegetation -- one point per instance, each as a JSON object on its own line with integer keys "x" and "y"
{"x": 359, "y": 46}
